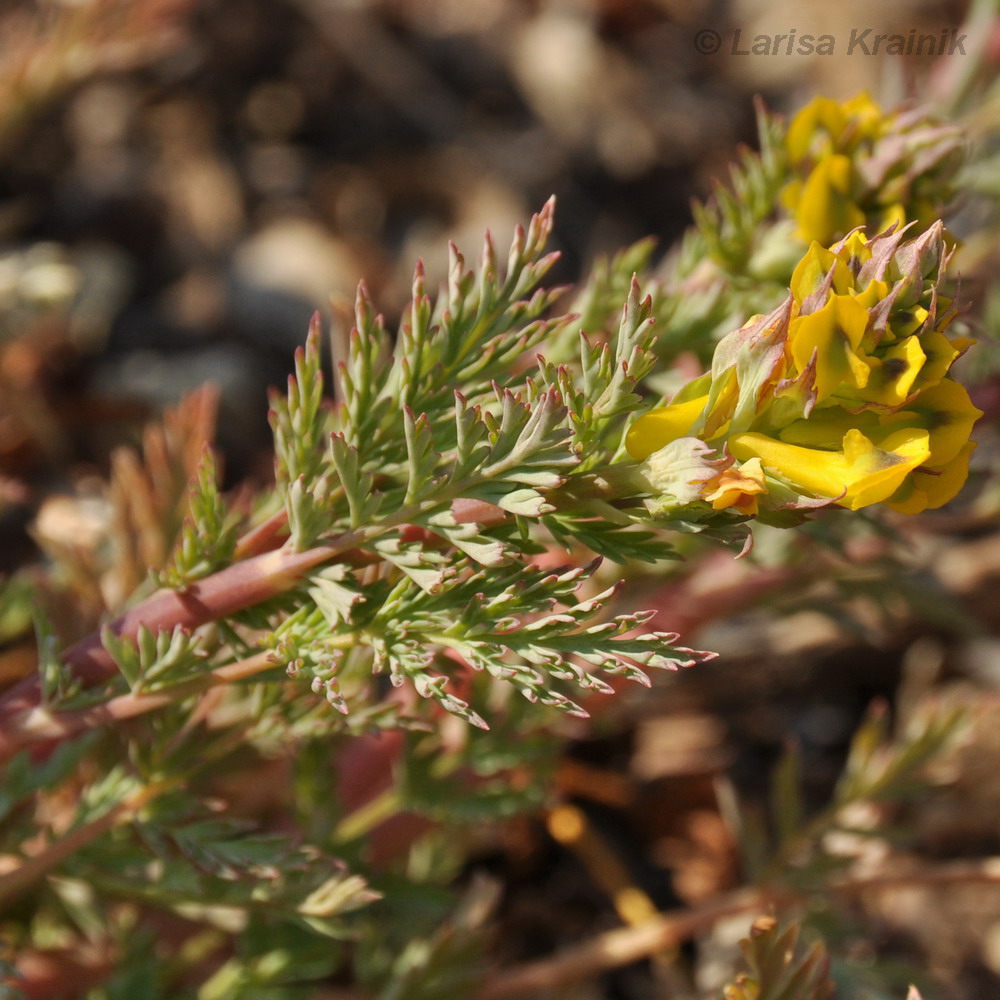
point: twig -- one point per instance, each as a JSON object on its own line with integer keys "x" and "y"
{"x": 631, "y": 944}
{"x": 235, "y": 588}
{"x": 953, "y": 873}
{"x": 39, "y": 724}
{"x": 622, "y": 947}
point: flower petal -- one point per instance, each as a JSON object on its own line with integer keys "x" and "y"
{"x": 658, "y": 428}
{"x": 928, "y": 488}
{"x": 826, "y": 208}
{"x": 858, "y": 475}
{"x": 946, "y": 412}
{"x": 738, "y": 486}
{"x": 893, "y": 374}
{"x": 835, "y": 333}
{"x": 677, "y": 472}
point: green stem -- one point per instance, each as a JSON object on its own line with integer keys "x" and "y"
{"x": 365, "y": 818}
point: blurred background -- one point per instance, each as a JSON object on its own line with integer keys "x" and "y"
{"x": 184, "y": 182}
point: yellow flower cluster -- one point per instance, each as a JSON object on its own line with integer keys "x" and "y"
{"x": 841, "y": 394}
{"x": 856, "y": 165}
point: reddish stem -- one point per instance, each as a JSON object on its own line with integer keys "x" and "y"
{"x": 265, "y": 537}
{"x": 34, "y": 726}
{"x": 233, "y": 589}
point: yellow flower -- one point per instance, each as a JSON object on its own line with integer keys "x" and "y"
{"x": 815, "y": 268}
{"x": 857, "y": 475}
{"x": 737, "y": 487}
{"x": 946, "y": 412}
{"x": 834, "y": 333}
{"x": 940, "y": 352}
{"x": 839, "y": 395}
{"x": 654, "y": 430}
{"x": 892, "y": 375}
{"x": 822, "y": 140}
{"x": 824, "y": 126}
{"x": 819, "y": 120}
{"x": 824, "y": 206}
{"x": 853, "y": 164}
{"x": 930, "y": 487}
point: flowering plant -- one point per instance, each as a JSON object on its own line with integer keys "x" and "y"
{"x": 854, "y": 165}
{"x": 841, "y": 394}
{"x": 246, "y": 759}
{"x": 835, "y": 166}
